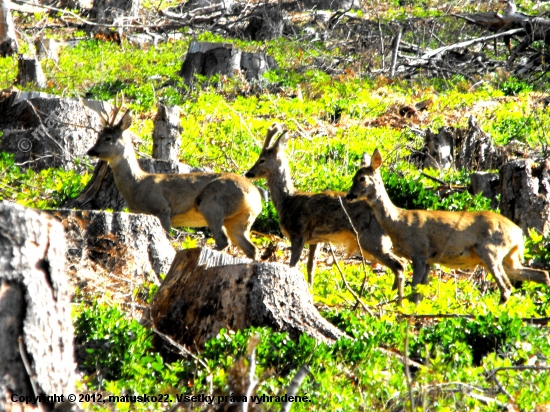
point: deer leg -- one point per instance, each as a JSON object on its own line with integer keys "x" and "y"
{"x": 494, "y": 266}
{"x": 516, "y": 271}
{"x": 214, "y": 217}
{"x": 311, "y": 263}
{"x": 296, "y": 247}
{"x": 420, "y": 269}
{"x": 239, "y": 232}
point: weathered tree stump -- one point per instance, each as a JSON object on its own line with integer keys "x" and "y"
{"x": 30, "y": 72}
{"x": 101, "y": 192}
{"x": 205, "y": 291}
{"x": 488, "y": 184}
{"x": 469, "y": 149}
{"x": 125, "y": 245}
{"x": 8, "y": 38}
{"x": 525, "y": 189}
{"x": 207, "y": 59}
{"x": 47, "y": 131}
{"x": 167, "y": 133}
{"x": 36, "y": 332}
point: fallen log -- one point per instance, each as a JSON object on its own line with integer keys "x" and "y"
{"x": 206, "y": 290}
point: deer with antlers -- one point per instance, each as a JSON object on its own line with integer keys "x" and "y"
{"x": 225, "y": 202}
{"x": 312, "y": 218}
{"x": 461, "y": 240}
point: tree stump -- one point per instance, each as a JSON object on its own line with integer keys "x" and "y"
{"x": 468, "y": 149}
{"x": 8, "y": 38}
{"x": 126, "y": 245}
{"x": 30, "y": 72}
{"x": 207, "y": 59}
{"x": 36, "y": 332}
{"x": 206, "y": 290}
{"x": 488, "y": 184}
{"x": 47, "y": 131}
{"x": 167, "y": 133}
{"x": 525, "y": 189}
{"x": 101, "y": 192}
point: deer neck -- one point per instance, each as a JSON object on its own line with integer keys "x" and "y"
{"x": 127, "y": 172}
{"x": 280, "y": 185}
{"x": 387, "y": 214}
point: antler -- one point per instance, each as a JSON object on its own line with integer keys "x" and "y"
{"x": 116, "y": 108}
{"x": 274, "y": 129}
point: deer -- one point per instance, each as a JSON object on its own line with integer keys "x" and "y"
{"x": 458, "y": 240}
{"x": 225, "y": 202}
{"x": 313, "y": 218}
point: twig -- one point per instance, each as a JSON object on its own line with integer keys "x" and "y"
{"x": 358, "y": 246}
{"x": 294, "y": 386}
{"x": 357, "y": 299}
{"x": 252, "y": 381}
{"x": 395, "y": 50}
{"x": 183, "y": 349}
{"x": 406, "y": 364}
{"x": 28, "y": 368}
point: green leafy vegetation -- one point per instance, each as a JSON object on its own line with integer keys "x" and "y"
{"x": 458, "y": 337}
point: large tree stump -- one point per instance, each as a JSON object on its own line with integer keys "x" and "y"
{"x": 469, "y": 149}
{"x": 207, "y": 59}
{"x": 36, "y": 332}
{"x": 167, "y": 133}
{"x": 101, "y": 192}
{"x": 205, "y": 291}
{"x": 525, "y": 189}
{"x": 47, "y": 131}
{"x": 126, "y": 245}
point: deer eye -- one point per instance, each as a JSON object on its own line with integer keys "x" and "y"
{"x": 108, "y": 139}
{"x": 261, "y": 161}
{"x": 362, "y": 179}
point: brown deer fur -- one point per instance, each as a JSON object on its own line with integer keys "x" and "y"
{"x": 453, "y": 239}
{"x": 311, "y": 218}
{"x": 225, "y": 202}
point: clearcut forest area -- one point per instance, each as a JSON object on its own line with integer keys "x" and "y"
{"x": 454, "y": 95}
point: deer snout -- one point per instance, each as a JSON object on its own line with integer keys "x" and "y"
{"x": 92, "y": 152}
{"x": 249, "y": 175}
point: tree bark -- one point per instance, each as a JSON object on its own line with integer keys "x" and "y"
{"x": 525, "y": 194}
{"x": 205, "y": 291}
{"x": 167, "y": 133}
{"x": 36, "y": 332}
{"x": 8, "y": 38}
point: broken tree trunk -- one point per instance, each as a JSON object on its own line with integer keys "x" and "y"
{"x": 207, "y": 59}
{"x": 167, "y": 133}
{"x": 468, "y": 149}
{"x": 8, "y": 39}
{"x": 36, "y": 332}
{"x": 205, "y": 291}
{"x": 525, "y": 194}
{"x": 130, "y": 247}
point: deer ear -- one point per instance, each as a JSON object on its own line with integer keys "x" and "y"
{"x": 365, "y": 160}
{"x": 126, "y": 121}
{"x": 376, "y": 161}
{"x": 282, "y": 140}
